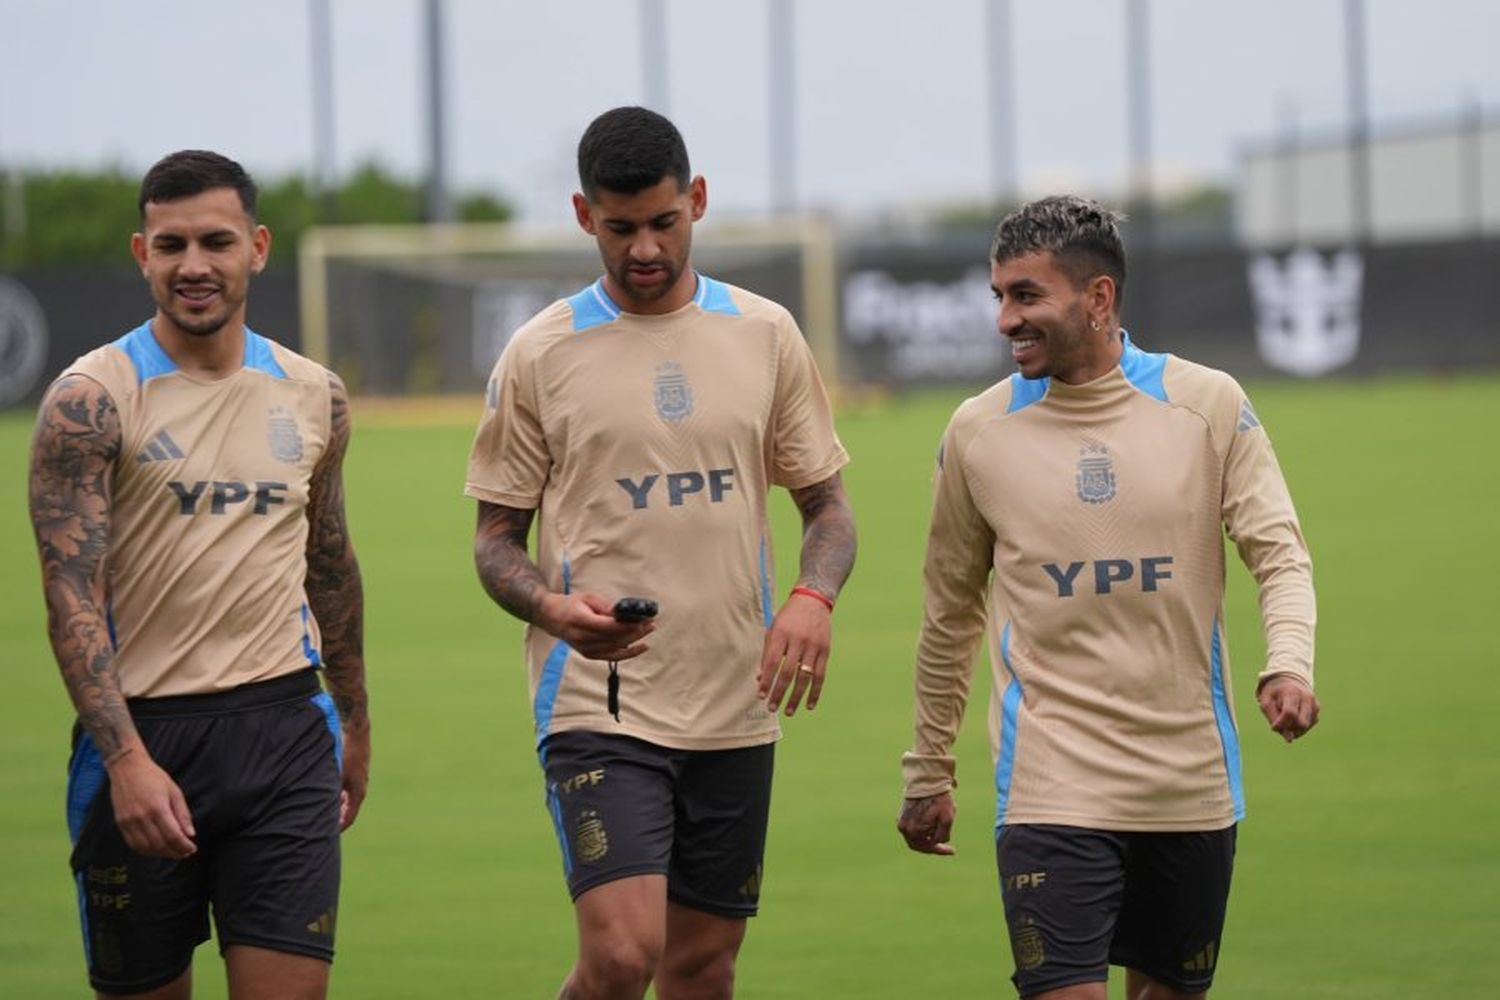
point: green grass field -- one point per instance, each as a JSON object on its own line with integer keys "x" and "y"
{"x": 1369, "y": 865}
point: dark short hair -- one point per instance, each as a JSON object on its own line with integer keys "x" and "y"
{"x": 1082, "y": 235}
{"x": 628, "y": 150}
{"x": 192, "y": 171}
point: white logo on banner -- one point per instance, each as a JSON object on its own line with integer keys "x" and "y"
{"x": 933, "y": 329}
{"x": 1307, "y": 311}
{"x": 23, "y": 341}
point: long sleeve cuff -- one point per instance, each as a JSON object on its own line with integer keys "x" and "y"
{"x": 928, "y": 774}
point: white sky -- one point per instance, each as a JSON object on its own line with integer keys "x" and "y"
{"x": 892, "y": 104}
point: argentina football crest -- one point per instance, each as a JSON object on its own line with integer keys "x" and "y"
{"x": 284, "y": 435}
{"x": 673, "y": 394}
{"x": 1096, "y": 475}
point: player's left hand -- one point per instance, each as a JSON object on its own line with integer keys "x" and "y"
{"x": 356, "y": 773}
{"x": 794, "y": 659}
{"x": 1289, "y": 706}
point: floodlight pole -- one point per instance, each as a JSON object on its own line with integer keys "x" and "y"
{"x": 325, "y": 169}
{"x": 1142, "y": 205}
{"x": 783, "y": 70}
{"x": 1360, "y": 203}
{"x": 439, "y": 208}
{"x": 1004, "y": 184}
{"x": 654, "y": 54}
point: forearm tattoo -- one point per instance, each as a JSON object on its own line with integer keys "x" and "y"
{"x": 73, "y": 454}
{"x": 335, "y": 591}
{"x": 828, "y": 537}
{"x": 506, "y": 571}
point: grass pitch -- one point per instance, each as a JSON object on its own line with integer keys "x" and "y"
{"x": 1367, "y": 866}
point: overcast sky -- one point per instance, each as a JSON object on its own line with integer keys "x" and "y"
{"x": 891, "y": 93}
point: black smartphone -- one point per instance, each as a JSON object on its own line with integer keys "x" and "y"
{"x": 634, "y": 609}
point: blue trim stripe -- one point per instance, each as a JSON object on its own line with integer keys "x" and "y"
{"x": 713, "y": 296}
{"x": 1010, "y": 707}
{"x": 331, "y": 716}
{"x": 109, "y": 623}
{"x": 567, "y": 570}
{"x": 1142, "y": 370}
{"x": 314, "y": 658}
{"x": 592, "y": 307}
{"x": 1025, "y": 391}
{"x": 83, "y": 921}
{"x": 767, "y": 614}
{"x": 1227, "y": 735}
{"x": 259, "y": 356}
{"x": 145, "y": 353}
{"x": 554, "y": 809}
{"x": 546, "y": 691}
{"x": 85, "y": 778}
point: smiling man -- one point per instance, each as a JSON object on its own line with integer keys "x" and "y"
{"x": 1078, "y": 520}
{"x": 645, "y": 419}
{"x": 187, "y": 498}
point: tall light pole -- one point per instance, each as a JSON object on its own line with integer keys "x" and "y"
{"x": 783, "y": 71}
{"x": 1004, "y": 183}
{"x": 1143, "y": 209}
{"x": 439, "y": 209}
{"x": 325, "y": 169}
{"x": 1360, "y": 204}
{"x": 654, "y": 54}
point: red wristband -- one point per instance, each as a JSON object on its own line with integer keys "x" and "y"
{"x": 809, "y": 592}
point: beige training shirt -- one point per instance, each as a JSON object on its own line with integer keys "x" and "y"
{"x": 208, "y": 529}
{"x": 649, "y": 445}
{"x": 1081, "y": 528}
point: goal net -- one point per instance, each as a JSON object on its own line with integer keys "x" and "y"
{"x": 427, "y": 309}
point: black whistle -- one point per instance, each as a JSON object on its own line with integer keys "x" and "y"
{"x": 634, "y": 609}
{"x": 614, "y": 690}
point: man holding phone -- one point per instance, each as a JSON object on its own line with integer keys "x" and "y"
{"x": 646, "y": 418}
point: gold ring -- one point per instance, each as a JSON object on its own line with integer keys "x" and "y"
{"x": 804, "y": 668}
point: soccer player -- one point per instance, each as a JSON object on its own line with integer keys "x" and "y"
{"x": 187, "y": 499}
{"x": 1081, "y": 503}
{"x": 646, "y": 418}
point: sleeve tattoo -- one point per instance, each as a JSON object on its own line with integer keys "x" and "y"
{"x": 506, "y": 571}
{"x": 73, "y": 453}
{"x": 828, "y": 537}
{"x": 335, "y": 592}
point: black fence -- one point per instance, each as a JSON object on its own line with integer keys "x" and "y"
{"x": 921, "y": 314}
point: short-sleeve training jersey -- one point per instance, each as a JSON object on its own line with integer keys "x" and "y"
{"x": 208, "y": 527}
{"x": 1088, "y": 522}
{"x": 649, "y": 445}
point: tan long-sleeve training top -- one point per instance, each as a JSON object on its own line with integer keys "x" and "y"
{"x": 1081, "y": 528}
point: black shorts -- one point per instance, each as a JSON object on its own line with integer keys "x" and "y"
{"x": 259, "y": 768}
{"x": 625, "y": 807}
{"x": 1080, "y": 900}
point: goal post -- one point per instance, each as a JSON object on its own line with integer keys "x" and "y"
{"x": 426, "y": 309}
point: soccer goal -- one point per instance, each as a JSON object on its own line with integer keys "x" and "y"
{"x": 427, "y": 309}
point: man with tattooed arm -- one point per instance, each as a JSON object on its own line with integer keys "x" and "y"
{"x": 644, "y": 420}
{"x": 187, "y": 498}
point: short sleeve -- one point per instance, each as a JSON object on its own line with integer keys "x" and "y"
{"x": 510, "y": 462}
{"x": 805, "y": 448}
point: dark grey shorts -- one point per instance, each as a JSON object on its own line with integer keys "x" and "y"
{"x": 259, "y": 767}
{"x": 623, "y": 807}
{"x": 1080, "y": 900}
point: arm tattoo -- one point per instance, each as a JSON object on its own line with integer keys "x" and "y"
{"x": 334, "y": 589}
{"x": 507, "y": 572}
{"x": 828, "y": 539}
{"x": 73, "y": 453}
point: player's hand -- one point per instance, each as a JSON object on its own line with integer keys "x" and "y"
{"x": 150, "y": 810}
{"x": 927, "y": 823}
{"x": 356, "y": 776}
{"x": 1289, "y": 706}
{"x": 794, "y": 659}
{"x": 587, "y": 623}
